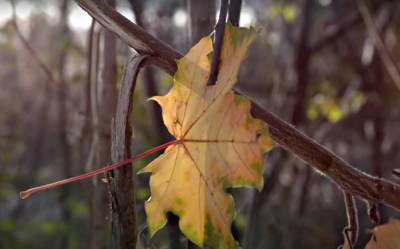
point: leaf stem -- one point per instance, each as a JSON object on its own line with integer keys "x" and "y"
{"x": 25, "y": 194}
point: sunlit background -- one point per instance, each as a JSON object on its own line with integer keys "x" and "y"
{"x": 313, "y": 63}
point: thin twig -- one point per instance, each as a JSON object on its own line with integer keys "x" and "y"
{"x": 345, "y": 23}
{"x": 38, "y": 61}
{"x": 234, "y": 12}
{"x": 219, "y": 38}
{"x": 373, "y": 31}
{"x": 350, "y": 232}
{"x": 86, "y": 107}
{"x": 30, "y": 49}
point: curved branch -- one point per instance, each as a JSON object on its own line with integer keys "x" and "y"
{"x": 350, "y": 232}
{"x": 350, "y": 179}
{"x": 122, "y": 187}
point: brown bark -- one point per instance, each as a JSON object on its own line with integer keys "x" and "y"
{"x": 217, "y": 43}
{"x": 352, "y": 217}
{"x": 121, "y": 181}
{"x": 151, "y": 84}
{"x": 350, "y": 179}
{"x": 350, "y": 232}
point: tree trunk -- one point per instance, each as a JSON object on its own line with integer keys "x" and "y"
{"x": 102, "y": 97}
{"x": 103, "y": 105}
{"x": 62, "y": 117}
{"x": 121, "y": 181}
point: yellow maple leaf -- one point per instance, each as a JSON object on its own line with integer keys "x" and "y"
{"x": 386, "y": 236}
{"x": 220, "y": 145}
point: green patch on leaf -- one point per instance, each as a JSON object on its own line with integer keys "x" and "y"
{"x": 192, "y": 234}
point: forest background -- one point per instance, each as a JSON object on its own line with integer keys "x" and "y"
{"x": 315, "y": 63}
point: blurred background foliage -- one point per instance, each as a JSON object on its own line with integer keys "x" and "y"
{"x": 314, "y": 63}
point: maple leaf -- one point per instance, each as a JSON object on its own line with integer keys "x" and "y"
{"x": 219, "y": 145}
{"x": 386, "y": 236}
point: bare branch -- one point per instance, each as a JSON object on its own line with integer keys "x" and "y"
{"x": 28, "y": 46}
{"x": 350, "y": 232}
{"x": 38, "y": 61}
{"x": 350, "y": 179}
{"x": 122, "y": 187}
{"x": 234, "y": 12}
{"x": 217, "y": 44}
{"x": 396, "y": 172}
{"x": 132, "y": 34}
{"x": 345, "y": 23}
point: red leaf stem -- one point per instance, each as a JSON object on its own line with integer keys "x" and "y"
{"x": 25, "y": 194}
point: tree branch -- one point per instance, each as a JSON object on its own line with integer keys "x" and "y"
{"x": 218, "y": 39}
{"x": 350, "y": 179}
{"x": 234, "y": 12}
{"x": 132, "y": 34}
{"x": 350, "y": 232}
{"x": 121, "y": 185}
{"x": 39, "y": 62}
